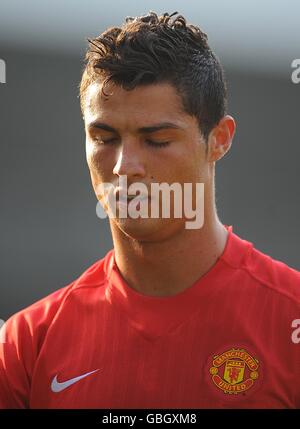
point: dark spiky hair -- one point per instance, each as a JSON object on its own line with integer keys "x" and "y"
{"x": 154, "y": 49}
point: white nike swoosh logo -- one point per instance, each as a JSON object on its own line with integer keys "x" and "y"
{"x": 58, "y": 387}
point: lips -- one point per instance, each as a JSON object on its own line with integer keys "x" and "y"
{"x": 129, "y": 198}
{"x": 121, "y": 195}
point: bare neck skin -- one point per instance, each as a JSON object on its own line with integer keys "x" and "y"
{"x": 165, "y": 268}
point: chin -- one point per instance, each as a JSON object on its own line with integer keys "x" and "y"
{"x": 150, "y": 230}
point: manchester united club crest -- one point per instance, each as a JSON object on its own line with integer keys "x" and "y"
{"x": 234, "y": 371}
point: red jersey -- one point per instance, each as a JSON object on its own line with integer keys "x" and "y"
{"x": 224, "y": 342}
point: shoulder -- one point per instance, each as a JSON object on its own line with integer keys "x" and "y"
{"x": 273, "y": 274}
{"x": 36, "y": 318}
{"x": 23, "y": 335}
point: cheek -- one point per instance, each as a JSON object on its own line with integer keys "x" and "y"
{"x": 189, "y": 168}
{"x": 100, "y": 162}
{"x": 196, "y": 164}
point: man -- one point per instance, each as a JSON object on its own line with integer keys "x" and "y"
{"x": 171, "y": 317}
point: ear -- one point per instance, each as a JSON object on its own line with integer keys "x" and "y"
{"x": 220, "y": 138}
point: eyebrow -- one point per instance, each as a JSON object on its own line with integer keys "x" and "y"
{"x": 142, "y": 130}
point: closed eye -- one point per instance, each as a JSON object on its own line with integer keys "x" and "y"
{"x": 156, "y": 143}
{"x": 108, "y": 141}
{"x": 149, "y": 142}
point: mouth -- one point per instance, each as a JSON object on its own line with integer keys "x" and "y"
{"x": 123, "y": 197}
{"x": 128, "y": 198}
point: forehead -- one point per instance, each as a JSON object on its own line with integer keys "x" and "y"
{"x": 143, "y": 104}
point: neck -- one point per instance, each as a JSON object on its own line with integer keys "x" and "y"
{"x": 165, "y": 268}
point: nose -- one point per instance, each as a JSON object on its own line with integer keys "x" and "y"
{"x": 130, "y": 160}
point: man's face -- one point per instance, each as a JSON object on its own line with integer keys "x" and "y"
{"x": 123, "y": 136}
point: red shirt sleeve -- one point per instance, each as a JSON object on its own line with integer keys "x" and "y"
{"x": 16, "y": 360}
{"x": 21, "y": 339}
